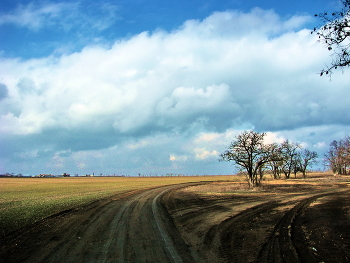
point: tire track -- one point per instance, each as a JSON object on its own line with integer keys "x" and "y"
{"x": 162, "y": 229}
{"x": 145, "y": 207}
{"x": 116, "y": 231}
{"x": 281, "y": 245}
{"x": 173, "y": 241}
{"x": 226, "y": 229}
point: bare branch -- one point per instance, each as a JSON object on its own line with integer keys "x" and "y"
{"x": 334, "y": 34}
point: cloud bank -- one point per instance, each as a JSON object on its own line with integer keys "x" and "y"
{"x": 163, "y": 101}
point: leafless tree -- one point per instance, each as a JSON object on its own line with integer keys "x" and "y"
{"x": 249, "y": 152}
{"x": 306, "y": 158}
{"x": 338, "y": 156}
{"x": 276, "y": 162}
{"x": 289, "y": 152}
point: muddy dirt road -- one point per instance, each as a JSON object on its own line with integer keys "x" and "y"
{"x": 211, "y": 222}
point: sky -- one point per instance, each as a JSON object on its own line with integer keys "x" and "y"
{"x": 157, "y": 87}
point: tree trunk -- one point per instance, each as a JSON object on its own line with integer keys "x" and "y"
{"x": 304, "y": 173}
{"x": 253, "y": 180}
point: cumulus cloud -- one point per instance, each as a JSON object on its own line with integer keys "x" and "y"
{"x": 202, "y": 153}
{"x": 254, "y": 24}
{"x": 181, "y": 95}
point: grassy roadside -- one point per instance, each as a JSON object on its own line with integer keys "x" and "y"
{"x": 24, "y": 201}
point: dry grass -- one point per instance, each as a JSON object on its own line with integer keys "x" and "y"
{"x": 311, "y": 183}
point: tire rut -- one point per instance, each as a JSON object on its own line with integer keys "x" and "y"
{"x": 225, "y": 233}
{"x": 285, "y": 243}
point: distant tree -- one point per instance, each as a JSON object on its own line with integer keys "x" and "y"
{"x": 346, "y": 142}
{"x": 276, "y": 162}
{"x": 289, "y": 154}
{"x": 249, "y": 152}
{"x": 335, "y": 34}
{"x": 338, "y": 156}
{"x": 331, "y": 157}
{"x": 305, "y": 159}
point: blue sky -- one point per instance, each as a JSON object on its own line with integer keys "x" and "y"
{"x": 46, "y": 26}
{"x": 156, "y": 87}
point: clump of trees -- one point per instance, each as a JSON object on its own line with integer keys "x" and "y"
{"x": 338, "y": 156}
{"x": 253, "y": 156}
{"x": 335, "y": 34}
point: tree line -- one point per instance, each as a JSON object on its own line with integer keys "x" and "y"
{"x": 254, "y": 157}
{"x": 338, "y": 156}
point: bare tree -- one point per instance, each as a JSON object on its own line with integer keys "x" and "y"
{"x": 338, "y": 156}
{"x": 250, "y": 153}
{"x": 331, "y": 158}
{"x": 289, "y": 153}
{"x": 346, "y": 143}
{"x": 306, "y": 158}
{"x": 276, "y": 162}
{"x": 335, "y": 34}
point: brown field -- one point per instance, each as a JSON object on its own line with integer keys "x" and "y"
{"x": 183, "y": 219}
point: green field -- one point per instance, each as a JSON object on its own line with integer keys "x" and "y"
{"x": 24, "y": 201}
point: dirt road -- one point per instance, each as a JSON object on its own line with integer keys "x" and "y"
{"x": 131, "y": 228}
{"x": 287, "y": 223}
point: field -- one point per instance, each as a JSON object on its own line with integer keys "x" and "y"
{"x": 176, "y": 219}
{"x": 24, "y": 201}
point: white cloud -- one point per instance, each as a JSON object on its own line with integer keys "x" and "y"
{"x": 178, "y": 158}
{"x": 255, "y": 24}
{"x": 271, "y": 137}
{"x": 202, "y": 153}
{"x": 37, "y": 15}
{"x": 183, "y": 94}
{"x": 321, "y": 145}
{"x": 207, "y": 137}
